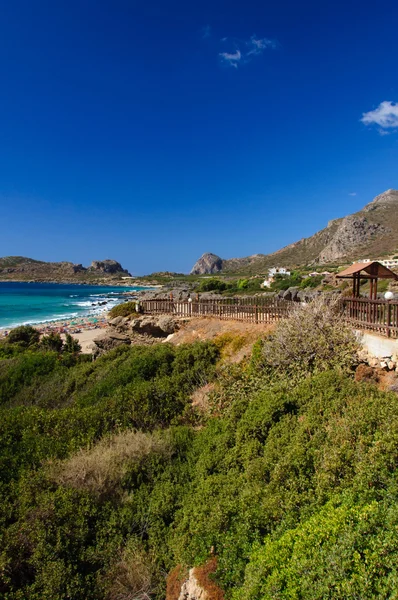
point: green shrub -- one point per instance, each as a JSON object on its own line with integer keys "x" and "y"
{"x": 311, "y": 282}
{"x": 71, "y": 345}
{"x": 20, "y": 371}
{"x": 52, "y": 342}
{"x": 123, "y": 310}
{"x": 25, "y": 334}
{"x": 283, "y": 282}
{"x": 212, "y": 285}
{"x": 343, "y": 551}
{"x": 312, "y": 339}
{"x": 292, "y": 486}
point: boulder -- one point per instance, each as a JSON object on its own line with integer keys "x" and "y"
{"x": 154, "y": 326}
{"x": 191, "y": 589}
{"x": 290, "y": 294}
{"x": 116, "y": 321}
{"x": 108, "y": 341}
{"x": 167, "y": 324}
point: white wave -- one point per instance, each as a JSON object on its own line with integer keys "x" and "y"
{"x": 84, "y": 303}
{"x": 65, "y": 317}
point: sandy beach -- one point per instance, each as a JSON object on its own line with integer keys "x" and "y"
{"x": 84, "y": 329}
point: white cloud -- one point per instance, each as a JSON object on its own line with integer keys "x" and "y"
{"x": 244, "y": 50}
{"x": 232, "y": 59}
{"x": 258, "y": 45}
{"x": 385, "y": 116}
{"x": 352, "y": 194}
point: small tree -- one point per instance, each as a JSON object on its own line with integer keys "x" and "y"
{"x": 71, "y": 345}
{"x": 312, "y": 339}
{"x": 25, "y": 334}
{"x": 52, "y": 341}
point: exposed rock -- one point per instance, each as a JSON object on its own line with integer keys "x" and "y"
{"x": 167, "y": 324}
{"x": 369, "y": 233}
{"x": 110, "y": 340}
{"x": 191, "y": 590}
{"x": 20, "y": 268}
{"x": 207, "y": 264}
{"x": 159, "y": 327}
{"x": 197, "y": 584}
{"x": 352, "y": 232}
{"x": 290, "y": 294}
{"x": 386, "y": 199}
{"x": 116, "y": 321}
{"x": 107, "y": 266}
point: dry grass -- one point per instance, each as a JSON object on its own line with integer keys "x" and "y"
{"x": 235, "y": 339}
{"x": 200, "y": 397}
{"x": 203, "y": 577}
{"x": 134, "y": 577}
{"x": 175, "y": 579}
{"x": 101, "y": 468}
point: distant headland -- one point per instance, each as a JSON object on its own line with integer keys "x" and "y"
{"x": 21, "y": 268}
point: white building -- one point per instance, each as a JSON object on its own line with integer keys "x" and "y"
{"x": 390, "y": 262}
{"x": 271, "y": 275}
{"x": 278, "y": 271}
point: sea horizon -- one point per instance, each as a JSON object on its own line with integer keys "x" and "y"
{"x": 32, "y": 303}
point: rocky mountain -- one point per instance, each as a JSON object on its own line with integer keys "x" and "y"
{"x": 20, "y": 268}
{"x": 207, "y": 263}
{"x": 370, "y": 233}
{"x": 108, "y": 266}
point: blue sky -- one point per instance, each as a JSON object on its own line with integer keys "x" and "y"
{"x": 153, "y": 132}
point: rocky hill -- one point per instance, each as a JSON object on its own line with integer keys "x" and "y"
{"x": 370, "y": 233}
{"x": 20, "y": 268}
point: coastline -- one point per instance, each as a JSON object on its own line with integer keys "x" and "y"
{"x": 74, "y": 282}
{"x": 74, "y": 319}
{"x": 84, "y": 329}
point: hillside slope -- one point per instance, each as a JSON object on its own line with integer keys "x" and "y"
{"x": 20, "y": 268}
{"x": 369, "y": 233}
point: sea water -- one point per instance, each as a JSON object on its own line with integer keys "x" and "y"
{"x": 31, "y": 303}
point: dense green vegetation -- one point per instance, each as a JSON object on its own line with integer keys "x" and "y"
{"x": 234, "y": 286}
{"x": 109, "y": 477}
{"x": 123, "y": 310}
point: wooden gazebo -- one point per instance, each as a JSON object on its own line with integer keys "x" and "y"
{"x": 372, "y": 271}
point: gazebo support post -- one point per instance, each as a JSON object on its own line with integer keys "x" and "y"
{"x": 372, "y": 271}
{"x": 356, "y": 281}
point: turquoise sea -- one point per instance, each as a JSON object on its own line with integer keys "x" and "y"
{"x": 29, "y": 303}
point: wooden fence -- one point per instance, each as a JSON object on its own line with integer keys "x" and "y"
{"x": 380, "y": 316}
{"x": 249, "y": 309}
